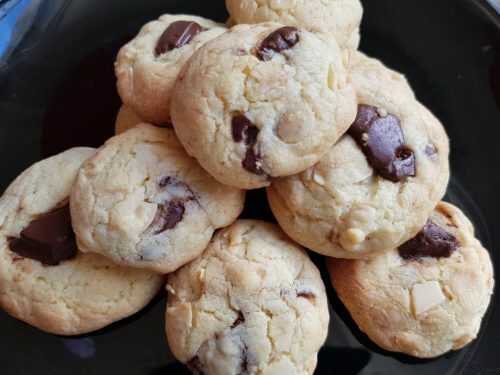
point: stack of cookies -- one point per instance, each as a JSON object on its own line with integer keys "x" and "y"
{"x": 354, "y": 166}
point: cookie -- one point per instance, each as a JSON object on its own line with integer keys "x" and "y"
{"x": 143, "y": 202}
{"x": 253, "y": 303}
{"x": 147, "y": 67}
{"x": 378, "y": 185}
{"x": 44, "y": 279}
{"x": 262, "y": 101}
{"x": 127, "y": 119}
{"x": 339, "y": 18}
{"x": 427, "y": 297}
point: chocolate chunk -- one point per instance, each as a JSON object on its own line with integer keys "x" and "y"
{"x": 239, "y": 320}
{"x": 168, "y": 216}
{"x": 383, "y": 143}
{"x": 48, "y": 239}
{"x": 278, "y": 41}
{"x": 177, "y": 34}
{"x": 171, "y": 211}
{"x": 244, "y": 130}
{"x": 195, "y": 366}
{"x": 431, "y": 241}
{"x": 252, "y": 162}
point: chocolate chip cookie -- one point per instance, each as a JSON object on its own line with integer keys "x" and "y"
{"x": 143, "y": 202}
{"x": 262, "y": 101}
{"x": 253, "y": 303}
{"x": 425, "y": 298}
{"x": 147, "y": 67}
{"x": 127, "y": 119}
{"x": 339, "y": 18}
{"x": 378, "y": 185}
{"x": 44, "y": 279}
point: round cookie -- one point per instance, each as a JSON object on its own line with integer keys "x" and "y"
{"x": 271, "y": 318}
{"x": 340, "y": 18}
{"x": 44, "y": 280}
{"x": 378, "y": 185}
{"x": 426, "y": 298}
{"x": 262, "y": 101}
{"x": 127, "y": 119}
{"x": 143, "y": 202}
{"x": 147, "y": 67}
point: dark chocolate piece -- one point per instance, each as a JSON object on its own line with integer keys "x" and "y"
{"x": 168, "y": 216}
{"x": 251, "y": 162}
{"x": 48, "y": 239}
{"x": 432, "y": 241}
{"x": 244, "y": 130}
{"x": 177, "y": 34}
{"x": 282, "y": 39}
{"x": 171, "y": 212}
{"x": 383, "y": 143}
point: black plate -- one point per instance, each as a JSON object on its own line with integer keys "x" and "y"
{"x": 57, "y": 91}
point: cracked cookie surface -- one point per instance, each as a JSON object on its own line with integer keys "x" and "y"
{"x": 253, "y": 303}
{"x": 340, "y": 18}
{"x": 369, "y": 194}
{"x": 147, "y": 67}
{"x": 262, "y": 101}
{"x": 423, "y": 306}
{"x": 78, "y": 295}
{"x": 143, "y": 202}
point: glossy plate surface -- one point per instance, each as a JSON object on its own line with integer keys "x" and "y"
{"x": 58, "y": 91}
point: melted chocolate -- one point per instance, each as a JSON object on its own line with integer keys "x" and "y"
{"x": 278, "y": 41}
{"x": 244, "y": 130}
{"x": 432, "y": 241}
{"x": 382, "y": 142}
{"x": 48, "y": 239}
{"x": 171, "y": 212}
{"x": 176, "y": 35}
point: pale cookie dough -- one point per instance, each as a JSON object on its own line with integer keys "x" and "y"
{"x": 340, "y": 18}
{"x": 253, "y": 303}
{"x": 423, "y": 307}
{"x": 248, "y": 112}
{"x": 146, "y": 77}
{"x": 126, "y": 119}
{"x": 343, "y": 207}
{"x": 143, "y": 202}
{"x": 80, "y": 295}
